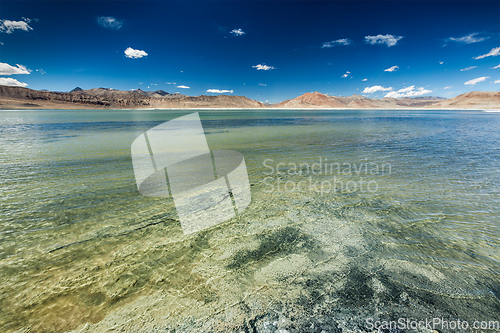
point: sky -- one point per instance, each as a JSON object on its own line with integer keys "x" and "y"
{"x": 265, "y": 50}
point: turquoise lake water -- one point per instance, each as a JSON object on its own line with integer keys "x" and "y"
{"x": 356, "y": 216}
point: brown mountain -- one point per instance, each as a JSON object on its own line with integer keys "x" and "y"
{"x": 311, "y": 100}
{"x": 472, "y": 100}
{"x": 19, "y": 97}
{"x": 319, "y": 100}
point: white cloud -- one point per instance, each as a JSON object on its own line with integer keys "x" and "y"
{"x": 170, "y": 83}
{"x": 449, "y": 87}
{"x": 391, "y": 69}
{"x": 6, "y": 69}
{"x": 496, "y": 67}
{"x": 262, "y": 84}
{"x": 468, "y": 39}
{"x": 497, "y": 81}
{"x": 371, "y": 90}
{"x": 263, "y": 67}
{"x": 407, "y": 89}
{"x": 183, "y": 87}
{"x": 476, "y": 80}
{"x": 390, "y": 40}
{"x": 132, "y": 53}
{"x": 237, "y": 32}
{"x": 408, "y": 92}
{"x": 9, "y": 26}
{"x": 342, "y": 41}
{"x": 365, "y": 79}
{"x": 346, "y": 74}
{"x": 217, "y": 91}
{"x": 7, "y": 81}
{"x": 468, "y": 68}
{"x": 441, "y": 62}
{"x": 494, "y": 52}
{"x": 109, "y": 22}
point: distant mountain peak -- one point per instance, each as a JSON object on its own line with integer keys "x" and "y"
{"x": 161, "y": 92}
{"x": 319, "y": 100}
{"x": 157, "y": 93}
{"x": 76, "y": 89}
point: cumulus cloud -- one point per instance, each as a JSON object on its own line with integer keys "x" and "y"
{"x": 263, "y": 67}
{"x": 346, "y": 74}
{"x": 371, "y": 90}
{"x": 183, "y": 87}
{"x": 476, "y": 80}
{"x": 237, "y": 32}
{"x": 9, "y": 26}
{"x": 496, "y": 67}
{"x": 132, "y": 53}
{"x": 262, "y": 84}
{"x": 497, "y": 81}
{"x": 7, "y": 81}
{"x": 468, "y": 39}
{"x": 342, "y": 41}
{"x": 391, "y": 69}
{"x": 494, "y": 52}
{"x": 109, "y": 22}
{"x": 407, "y": 89}
{"x": 6, "y": 69}
{"x": 365, "y": 80}
{"x": 408, "y": 92}
{"x": 468, "y": 68}
{"x": 218, "y": 91}
{"x": 449, "y": 87}
{"x": 441, "y": 62}
{"x": 389, "y": 40}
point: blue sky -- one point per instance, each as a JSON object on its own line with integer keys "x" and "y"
{"x": 267, "y": 51}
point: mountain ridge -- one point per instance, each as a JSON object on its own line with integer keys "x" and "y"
{"x": 319, "y": 100}
{"x": 22, "y": 98}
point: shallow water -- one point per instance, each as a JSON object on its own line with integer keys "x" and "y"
{"x": 372, "y": 214}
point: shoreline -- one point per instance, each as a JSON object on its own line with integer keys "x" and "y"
{"x": 257, "y": 109}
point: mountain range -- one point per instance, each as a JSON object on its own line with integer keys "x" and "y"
{"x": 24, "y": 98}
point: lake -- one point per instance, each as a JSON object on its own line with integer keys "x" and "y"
{"x": 358, "y": 219}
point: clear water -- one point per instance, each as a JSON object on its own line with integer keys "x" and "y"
{"x": 80, "y": 248}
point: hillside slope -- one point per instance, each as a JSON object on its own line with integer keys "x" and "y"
{"x": 472, "y": 100}
{"x": 319, "y": 100}
{"x": 19, "y": 97}
{"x": 24, "y": 98}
